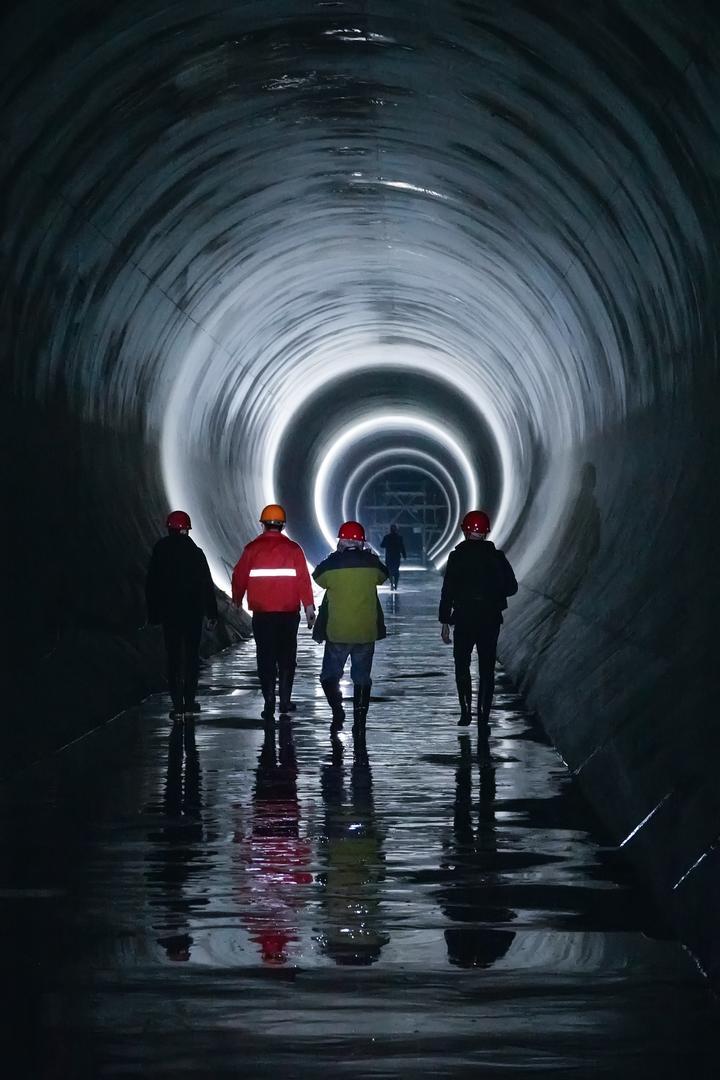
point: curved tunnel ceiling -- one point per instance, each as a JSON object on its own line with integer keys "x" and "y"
{"x": 290, "y": 237}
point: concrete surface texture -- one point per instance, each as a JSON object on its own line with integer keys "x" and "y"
{"x": 211, "y": 899}
{"x": 255, "y": 250}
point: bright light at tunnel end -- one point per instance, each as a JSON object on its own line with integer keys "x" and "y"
{"x": 382, "y": 422}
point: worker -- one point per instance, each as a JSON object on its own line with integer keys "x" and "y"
{"x": 273, "y": 571}
{"x": 179, "y": 591}
{"x": 353, "y": 621}
{"x": 394, "y": 551}
{"x": 478, "y": 580}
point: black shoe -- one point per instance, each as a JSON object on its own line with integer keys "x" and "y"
{"x": 192, "y": 708}
{"x": 287, "y": 707}
{"x": 268, "y": 712}
{"x": 334, "y": 698}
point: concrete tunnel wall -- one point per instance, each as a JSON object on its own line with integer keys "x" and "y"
{"x": 249, "y": 248}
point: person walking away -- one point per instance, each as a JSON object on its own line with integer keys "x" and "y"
{"x": 273, "y": 571}
{"x": 478, "y": 580}
{"x": 394, "y": 550}
{"x": 350, "y": 576}
{"x": 179, "y": 591}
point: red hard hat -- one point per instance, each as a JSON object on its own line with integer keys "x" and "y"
{"x": 476, "y": 521}
{"x": 351, "y": 530}
{"x": 178, "y": 519}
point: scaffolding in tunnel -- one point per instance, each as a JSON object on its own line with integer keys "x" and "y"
{"x": 415, "y": 504}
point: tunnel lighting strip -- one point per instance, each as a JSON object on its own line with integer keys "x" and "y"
{"x": 380, "y": 423}
{"x": 696, "y": 864}
{"x": 646, "y": 819}
{"x": 383, "y": 455}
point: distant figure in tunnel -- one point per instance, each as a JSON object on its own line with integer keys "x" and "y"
{"x": 394, "y": 551}
{"x": 179, "y": 591}
{"x": 273, "y": 571}
{"x": 478, "y": 581}
{"x": 352, "y": 621}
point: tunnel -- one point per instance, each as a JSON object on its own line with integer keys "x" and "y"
{"x": 277, "y": 250}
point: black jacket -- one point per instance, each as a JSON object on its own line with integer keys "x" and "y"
{"x": 478, "y": 581}
{"x": 394, "y": 548}
{"x": 178, "y": 583}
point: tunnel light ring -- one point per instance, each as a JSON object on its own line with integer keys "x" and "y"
{"x": 382, "y": 455}
{"x": 383, "y": 422}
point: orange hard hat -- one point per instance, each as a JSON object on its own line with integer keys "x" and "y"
{"x": 273, "y": 513}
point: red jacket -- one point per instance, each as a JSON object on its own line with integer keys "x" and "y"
{"x": 273, "y": 572}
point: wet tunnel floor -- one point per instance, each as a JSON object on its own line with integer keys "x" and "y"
{"x": 209, "y": 900}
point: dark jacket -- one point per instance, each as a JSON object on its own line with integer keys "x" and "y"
{"x": 478, "y": 581}
{"x": 178, "y": 583}
{"x": 394, "y": 548}
{"x": 354, "y": 614}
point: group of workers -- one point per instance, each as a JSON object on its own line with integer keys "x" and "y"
{"x": 273, "y": 572}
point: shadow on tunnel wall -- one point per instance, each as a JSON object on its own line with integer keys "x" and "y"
{"x": 612, "y": 639}
{"x": 576, "y": 549}
{"x": 84, "y": 510}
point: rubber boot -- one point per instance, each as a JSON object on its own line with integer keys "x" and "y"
{"x": 486, "y": 691}
{"x": 485, "y": 696}
{"x": 285, "y": 685}
{"x": 189, "y": 695}
{"x": 267, "y": 688}
{"x": 176, "y": 693}
{"x": 361, "y": 702}
{"x": 334, "y": 697}
{"x": 464, "y": 689}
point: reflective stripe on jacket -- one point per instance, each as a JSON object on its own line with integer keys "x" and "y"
{"x": 273, "y": 571}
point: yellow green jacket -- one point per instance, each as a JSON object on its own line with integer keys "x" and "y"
{"x": 351, "y": 577}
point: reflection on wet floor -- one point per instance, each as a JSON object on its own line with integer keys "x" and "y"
{"x": 213, "y": 899}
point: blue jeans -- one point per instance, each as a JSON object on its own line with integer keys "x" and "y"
{"x": 335, "y": 658}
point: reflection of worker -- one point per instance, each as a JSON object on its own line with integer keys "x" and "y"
{"x": 478, "y": 580}
{"x": 274, "y": 858}
{"x": 180, "y": 853}
{"x": 352, "y": 860}
{"x": 354, "y": 620}
{"x": 470, "y": 870}
{"x": 179, "y": 591}
{"x": 273, "y": 572}
{"x": 394, "y": 551}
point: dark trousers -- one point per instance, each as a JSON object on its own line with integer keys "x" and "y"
{"x": 483, "y": 636}
{"x": 393, "y": 570}
{"x": 276, "y": 645}
{"x": 182, "y": 646}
